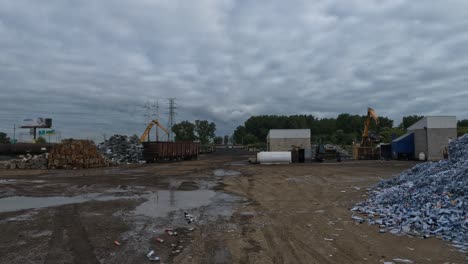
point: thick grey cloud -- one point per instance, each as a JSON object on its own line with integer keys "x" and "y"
{"x": 91, "y": 65}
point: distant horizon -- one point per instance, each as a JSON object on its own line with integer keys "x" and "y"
{"x": 100, "y": 138}
{"x": 93, "y": 65}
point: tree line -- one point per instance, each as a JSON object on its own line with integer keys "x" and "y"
{"x": 344, "y": 129}
{"x": 200, "y": 130}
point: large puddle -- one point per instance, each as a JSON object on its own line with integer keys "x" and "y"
{"x": 222, "y": 173}
{"x": 161, "y": 203}
{"x": 16, "y": 203}
{"x": 157, "y": 204}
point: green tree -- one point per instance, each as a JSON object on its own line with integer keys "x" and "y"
{"x": 4, "y": 139}
{"x": 462, "y": 127}
{"x": 205, "y": 131}
{"x": 462, "y": 123}
{"x": 388, "y": 134}
{"x": 250, "y": 139}
{"x": 218, "y": 140}
{"x": 384, "y": 122}
{"x": 408, "y": 121}
{"x": 462, "y": 131}
{"x": 41, "y": 140}
{"x": 239, "y": 134}
{"x": 184, "y": 131}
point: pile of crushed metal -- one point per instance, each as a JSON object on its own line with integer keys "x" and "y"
{"x": 69, "y": 154}
{"x": 430, "y": 199}
{"x": 122, "y": 149}
{"x": 28, "y": 162}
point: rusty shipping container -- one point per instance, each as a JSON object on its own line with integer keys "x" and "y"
{"x": 24, "y": 148}
{"x": 170, "y": 151}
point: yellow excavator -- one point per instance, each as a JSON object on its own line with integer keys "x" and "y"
{"x": 365, "y": 134}
{"x": 367, "y": 149}
{"x": 156, "y": 123}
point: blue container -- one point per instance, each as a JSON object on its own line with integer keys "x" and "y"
{"x": 403, "y": 147}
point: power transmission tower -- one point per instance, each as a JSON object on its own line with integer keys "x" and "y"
{"x": 151, "y": 112}
{"x": 171, "y": 120}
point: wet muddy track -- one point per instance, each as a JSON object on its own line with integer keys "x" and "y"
{"x": 256, "y": 214}
{"x": 85, "y": 231}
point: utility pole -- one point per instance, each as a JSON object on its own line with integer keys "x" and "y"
{"x": 156, "y": 114}
{"x": 14, "y": 133}
{"x": 172, "y": 113}
{"x": 151, "y": 113}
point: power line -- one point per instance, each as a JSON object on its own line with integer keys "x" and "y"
{"x": 172, "y": 113}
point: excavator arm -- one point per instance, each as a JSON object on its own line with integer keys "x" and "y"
{"x": 370, "y": 115}
{"x": 156, "y": 123}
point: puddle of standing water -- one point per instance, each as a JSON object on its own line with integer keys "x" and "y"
{"x": 20, "y": 181}
{"x": 16, "y": 203}
{"x": 221, "y": 172}
{"x": 161, "y": 203}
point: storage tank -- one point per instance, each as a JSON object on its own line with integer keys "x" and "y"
{"x": 422, "y": 156}
{"x": 274, "y": 157}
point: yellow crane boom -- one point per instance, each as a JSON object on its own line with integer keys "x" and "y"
{"x": 370, "y": 115}
{"x": 156, "y": 123}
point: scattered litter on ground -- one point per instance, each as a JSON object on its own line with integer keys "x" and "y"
{"x": 430, "y": 199}
{"x": 190, "y": 218}
{"x": 152, "y": 257}
{"x": 117, "y": 243}
{"x": 170, "y": 232}
{"x": 400, "y": 260}
{"x": 122, "y": 149}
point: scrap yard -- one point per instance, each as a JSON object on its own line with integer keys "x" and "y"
{"x": 233, "y": 132}
{"x": 214, "y": 209}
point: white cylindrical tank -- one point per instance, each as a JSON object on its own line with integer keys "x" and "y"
{"x": 422, "y": 156}
{"x": 274, "y": 157}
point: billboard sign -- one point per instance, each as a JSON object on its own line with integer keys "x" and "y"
{"x": 37, "y": 123}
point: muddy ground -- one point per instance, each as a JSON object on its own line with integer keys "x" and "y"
{"x": 245, "y": 214}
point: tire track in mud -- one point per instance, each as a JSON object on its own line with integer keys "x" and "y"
{"x": 69, "y": 242}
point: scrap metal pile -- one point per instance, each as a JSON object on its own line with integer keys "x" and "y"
{"x": 122, "y": 149}
{"x": 430, "y": 199}
{"x": 76, "y": 154}
{"x": 28, "y": 162}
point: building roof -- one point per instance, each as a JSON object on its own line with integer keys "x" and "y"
{"x": 402, "y": 137}
{"x": 289, "y": 133}
{"x": 435, "y": 122}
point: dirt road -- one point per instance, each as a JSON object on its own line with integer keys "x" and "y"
{"x": 245, "y": 213}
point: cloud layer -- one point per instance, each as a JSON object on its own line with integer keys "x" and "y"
{"x": 91, "y": 65}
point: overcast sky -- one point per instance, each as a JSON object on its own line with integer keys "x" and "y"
{"x": 92, "y": 65}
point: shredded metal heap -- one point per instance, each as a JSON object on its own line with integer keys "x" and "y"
{"x": 122, "y": 149}
{"x": 430, "y": 199}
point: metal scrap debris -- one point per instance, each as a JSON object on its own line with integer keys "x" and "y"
{"x": 430, "y": 199}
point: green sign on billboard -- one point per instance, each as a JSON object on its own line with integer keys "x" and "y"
{"x": 47, "y": 132}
